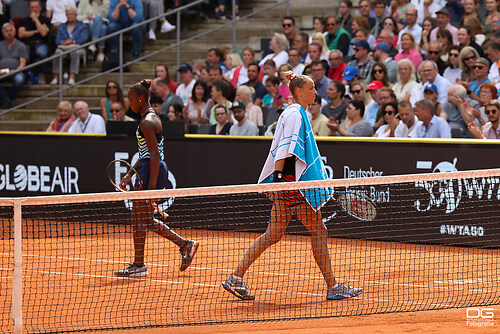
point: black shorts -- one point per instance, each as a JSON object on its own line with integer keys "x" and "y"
{"x": 144, "y": 170}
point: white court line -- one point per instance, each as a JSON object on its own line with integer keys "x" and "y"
{"x": 263, "y": 273}
{"x": 218, "y": 286}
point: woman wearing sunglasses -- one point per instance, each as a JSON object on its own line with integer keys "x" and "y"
{"x": 466, "y": 61}
{"x": 389, "y": 112}
{"x": 453, "y": 70}
{"x": 379, "y": 72}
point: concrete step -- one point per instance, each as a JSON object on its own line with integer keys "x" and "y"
{"x": 23, "y": 125}
{"x": 51, "y": 102}
{"x": 30, "y": 115}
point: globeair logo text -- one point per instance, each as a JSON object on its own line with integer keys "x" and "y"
{"x": 39, "y": 178}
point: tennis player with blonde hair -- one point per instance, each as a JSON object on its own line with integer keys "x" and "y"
{"x": 294, "y": 156}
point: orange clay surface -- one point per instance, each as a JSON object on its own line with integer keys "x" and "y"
{"x": 68, "y": 284}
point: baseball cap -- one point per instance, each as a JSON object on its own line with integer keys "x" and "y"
{"x": 238, "y": 104}
{"x": 363, "y": 44}
{"x": 350, "y": 72}
{"x": 443, "y": 11}
{"x": 382, "y": 46}
{"x": 431, "y": 87}
{"x": 375, "y": 84}
{"x": 483, "y": 61}
{"x": 185, "y": 67}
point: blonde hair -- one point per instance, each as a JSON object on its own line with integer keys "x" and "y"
{"x": 408, "y": 62}
{"x": 235, "y": 60}
{"x": 281, "y": 39}
{"x": 321, "y": 41}
{"x": 65, "y": 104}
{"x": 247, "y": 92}
{"x": 295, "y": 81}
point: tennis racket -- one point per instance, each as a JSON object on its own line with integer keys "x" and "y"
{"x": 117, "y": 169}
{"x": 357, "y": 206}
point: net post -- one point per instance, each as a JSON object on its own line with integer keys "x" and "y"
{"x": 17, "y": 277}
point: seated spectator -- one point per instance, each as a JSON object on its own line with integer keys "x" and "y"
{"x": 477, "y": 29}
{"x": 319, "y": 38}
{"x": 114, "y": 93}
{"x": 294, "y": 60}
{"x": 197, "y": 103}
{"x": 481, "y": 69}
{"x": 360, "y": 34}
{"x": 372, "y": 109}
{"x": 452, "y": 70}
{"x": 314, "y": 55}
{"x": 430, "y": 74}
{"x": 215, "y": 56}
{"x": 161, "y": 71}
{"x": 487, "y": 93}
{"x": 406, "y": 80}
{"x": 94, "y": 13}
{"x": 55, "y": 10}
{"x": 160, "y": 88}
{"x": 345, "y": 17}
{"x": 337, "y": 106}
{"x": 350, "y": 76}
{"x": 289, "y": 30}
{"x": 443, "y": 21}
{"x": 201, "y": 72}
{"x": 361, "y": 60}
{"x": 215, "y": 73}
{"x": 278, "y": 45}
{"x": 379, "y": 72}
{"x": 466, "y": 61}
{"x": 174, "y": 113}
{"x": 223, "y": 125}
{"x": 378, "y": 12}
{"x": 270, "y": 70}
{"x": 458, "y": 110}
{"x": 355, "y": 125}
{"x": 409, "y": 50}
{"x": 364, "y": 11}
{"x": 65, "y": 118}
{"x": 301, "y": 43}
{"x": 69, "y": 36}
{"x": 156, "y": 103}
{"x": 124, "y": 14}
{"x": 253, "y": 81}
{"x": 337, "y": 65}
{"x": 406, "y": 121}
{"x": 232, "y": 61}
{"x": 388, "y": 37}
{"x": 218, "y": 95}
{"x": 318, "y": 119}
{"x": 319, "y": 25}
{"x": 244, "y": 127}
{"x": 466, "y": 38}
{"x": 431, "y": 94}
{"x": 86, "y": 122}
{"x": 390, "y": 25}
{"x": 432, "y": 125}
{"x": 254, "y": 113}
{"x": 358, "y": 91}
{"x": 428, "y": 24}
{"x": 318, "y": 74}
{"x": 492, "y": 18}
{"x": 34, "y": 32}
{"x": 398, "y": 10}
{"x": 388, "y": 111}
{"x": 411, "y": 25}
{"x": 434, "y": 54}
{"x": 240, "y": 75}
{"x": 337, "y": 38}
{"x": 489, "y": 130}
{"x": 273, "y": 97}
{"x": 13, "y": 56}
{"x": 444, "y": 37}
{"x": 220, "y": 11}
{"x": 118, "y": 113}
{"x": 153, "y": 8}
{"x": 381, "y": 54}
{"x": 185, "y": 89}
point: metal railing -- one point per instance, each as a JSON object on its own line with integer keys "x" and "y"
{"x": 177, "y": 12}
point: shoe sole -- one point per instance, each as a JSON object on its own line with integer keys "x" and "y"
{"x": 168, "y": 30}
{"x": 141, "y": 274}
{"x": 234, "y": 293}
{"x": 184, "y": 266}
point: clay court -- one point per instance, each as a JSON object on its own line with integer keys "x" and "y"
{"x": 68, "y": 284}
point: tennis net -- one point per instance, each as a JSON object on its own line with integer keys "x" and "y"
{"x": 434, "y": 244}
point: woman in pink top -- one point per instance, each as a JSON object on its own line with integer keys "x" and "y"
{"x": 409, "y": 50}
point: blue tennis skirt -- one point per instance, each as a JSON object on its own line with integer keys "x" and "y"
{"x": 144, "y": 169}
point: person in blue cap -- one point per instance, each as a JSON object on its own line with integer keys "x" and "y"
{"x": 431, "y": 93}
{"x": 361, "y": 60}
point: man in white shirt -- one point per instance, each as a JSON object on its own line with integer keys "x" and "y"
{"x": 426, "y": 8}
{"x": 186, "y": 87}
{"x": 430, "y": 74}
{"x": 408, "y": 122}
{"x": 494, "y": 55}
{"x": 411, "y": 26}
{"x": 86, "y": 122}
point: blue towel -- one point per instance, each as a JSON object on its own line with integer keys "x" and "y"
{"x": 294, "y": 137}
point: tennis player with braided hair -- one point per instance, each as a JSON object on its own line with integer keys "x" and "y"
{"x": 153, "y": 172}
{"x": 294, "y": 156}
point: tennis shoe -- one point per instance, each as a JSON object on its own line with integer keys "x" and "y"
{"x": 166, "y": 27}
{"x": 237, "y": 288}
{"x": 342, "y": 291}
{"x": 188, "y": 251}
{"x": 132, "y": 271}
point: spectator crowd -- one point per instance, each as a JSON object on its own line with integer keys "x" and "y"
{"x": 395, "y": 68}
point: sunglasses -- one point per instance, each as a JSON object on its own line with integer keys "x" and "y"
{"x": 493, "y": 112}
{"x": 389, "y": 112}
{"x": 454, "y": 55}
{"x": 378, "y": 71}
{"x": 286, "y": 25}
{"x": 477, "y": 67}
{"x": 433, "y": 52}
{"x": 114, "y": 110}
{"x": 330, "y": 24}
{"x": 388, "y": 23}
{"x": 470, "y": 58}
{"x": 109, "y": 87}
{"x": 356, "y": 91}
